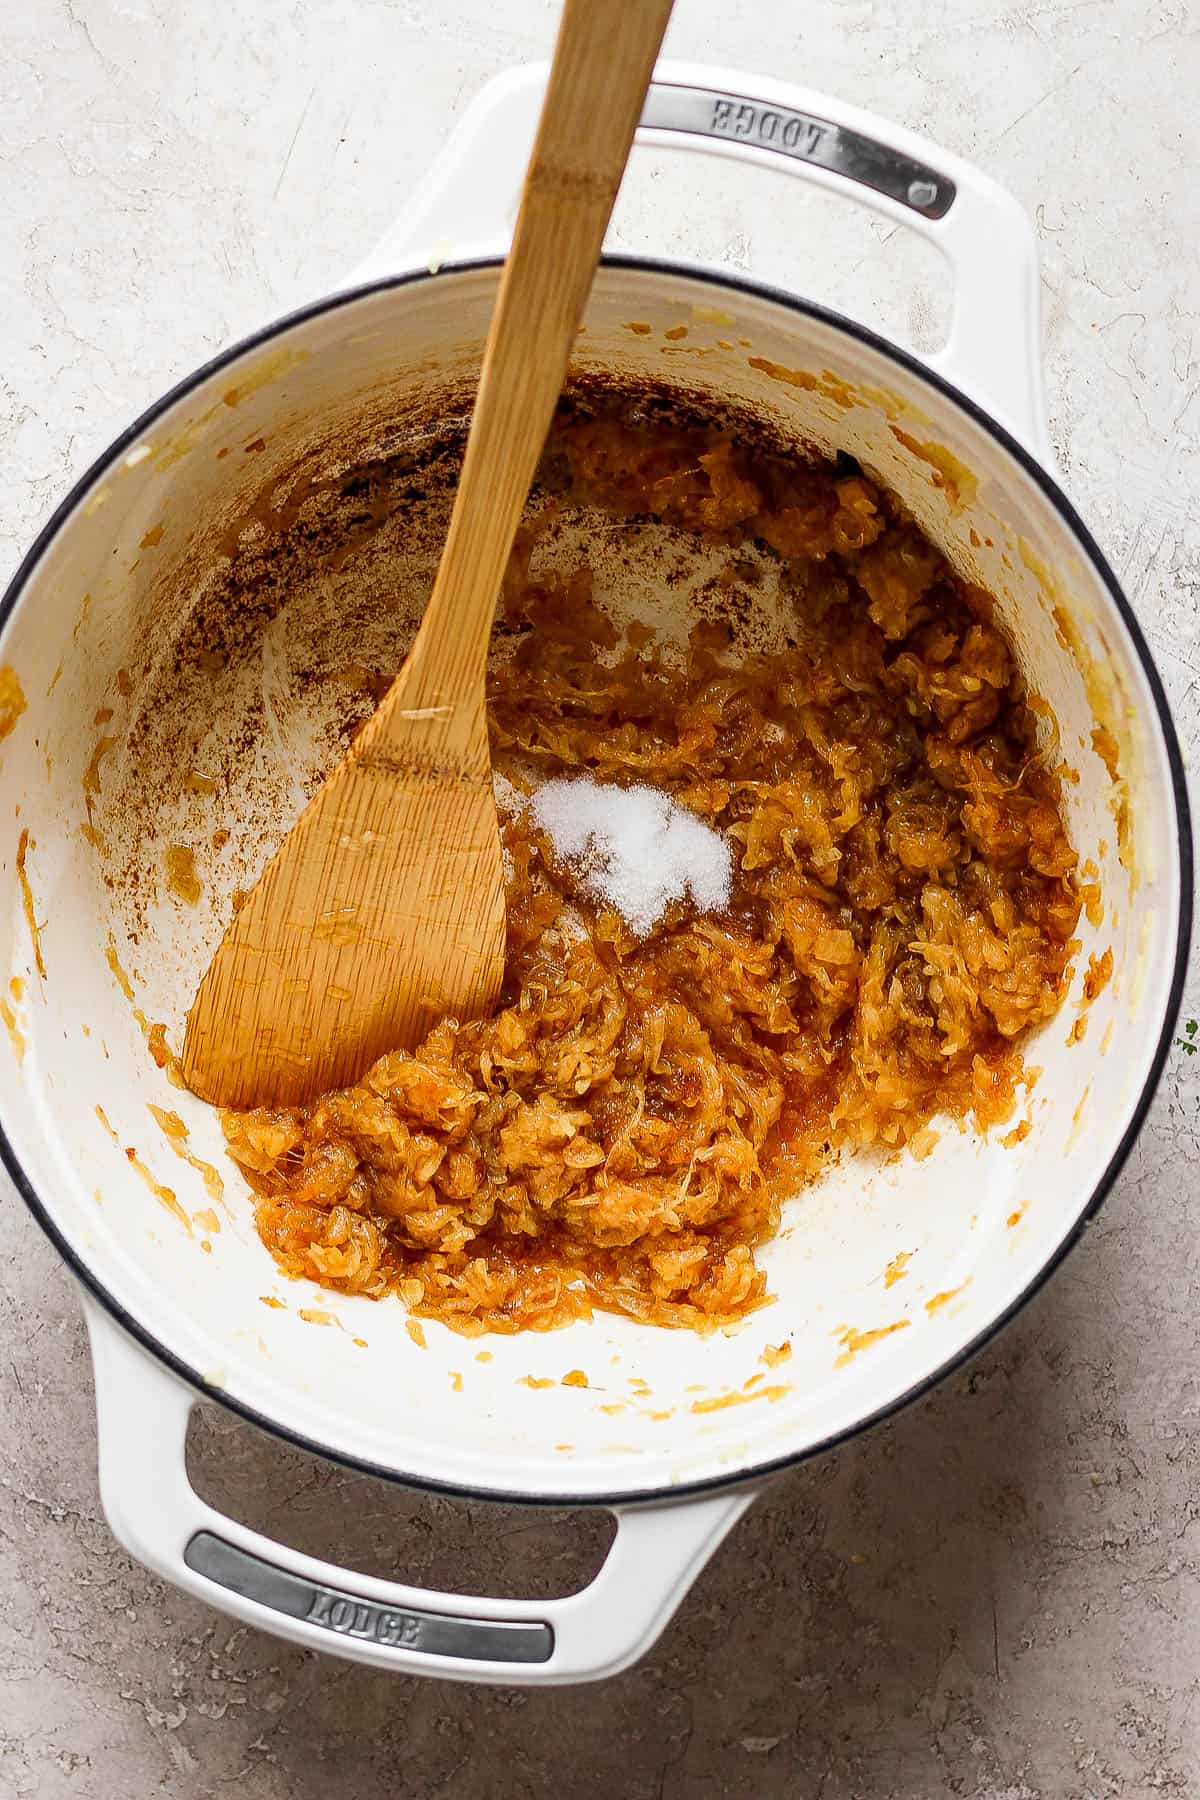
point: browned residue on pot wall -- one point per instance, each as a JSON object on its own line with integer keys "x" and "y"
{"x": 91, "y": 775}
{"x": 14, "y": 1030}
{"x": 12, "y": 700}
{"x": 853, "y": 1341}
{"x": 182, "y": 878}
{"x": 175, "y": 1132}
{"x": 24, "y": 845}
{"x": 165, "y": 1195}
{"x": 939, "y": 1300}
{"x": 957, "y": 481}
{"x": 114, "y": 963}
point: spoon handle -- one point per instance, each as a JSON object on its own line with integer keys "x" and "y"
{"x": 603, "y": 61}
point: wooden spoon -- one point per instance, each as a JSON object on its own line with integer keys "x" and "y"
{"x": 383, "y": 909}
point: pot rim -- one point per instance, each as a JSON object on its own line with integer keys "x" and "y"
{"x": 1053, "y": 492}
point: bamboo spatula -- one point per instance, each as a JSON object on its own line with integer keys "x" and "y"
{"x": 383, "y": 909}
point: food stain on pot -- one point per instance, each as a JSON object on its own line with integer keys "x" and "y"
{"x": 1098, "y": 976}
{"x": 265, "y": 370}
{"x": 155, "y": 1034}
{"x": 114, "y": 963}
{"x": 842, "y": 393}
{"x": 15, "y": 1035}
{"x": 956, "y": 481}
{"x": 245, "y": 1335}
{"x": 256, "y": 376}
{"x": 1089, "y": 891}
{"x": 91, "y": 775}
{"x": 718, "y": 1402}
{"x": 176, "y": 1134}
{"x": 827, "y": 383}
{"x": 12, "y": 700}
{"x": 1110, "y": 705}
{"x": 161, "y": 1053}
{"x": 936, "y": 1304}
{"x": 712, "y": 315}
{"x": 24, "y": 845}
{"x": 1077, "y": 1121}
{"x": 164, "y": 1195}
{"x": 893, "y": 407}
{"x": 897, "y": 1269}
{"x": 853, "y": 1341}
{"x": 182, "y": 878}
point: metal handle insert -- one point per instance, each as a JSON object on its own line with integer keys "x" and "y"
{"x": 351, "y": 1616}
{"x": 708, "y": 112}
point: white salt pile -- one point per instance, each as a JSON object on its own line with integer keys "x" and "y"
{"x": 634, "y": 849}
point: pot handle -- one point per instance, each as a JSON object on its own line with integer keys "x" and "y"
{"x": 142, "y": 1412}
{"x": 466, "y": 206}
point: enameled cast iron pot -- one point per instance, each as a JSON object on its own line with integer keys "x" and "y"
{"x": 963, "y": 440}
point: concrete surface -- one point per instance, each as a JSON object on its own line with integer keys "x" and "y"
{"x": 996, "y": 1595}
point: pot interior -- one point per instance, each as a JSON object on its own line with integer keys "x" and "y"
{"x": 178, "y": 690}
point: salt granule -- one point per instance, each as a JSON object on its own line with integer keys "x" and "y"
{"x": 509, "y": 800}
{"x": 634, "y": 848}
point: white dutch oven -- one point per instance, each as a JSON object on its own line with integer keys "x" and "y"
{"x": 963, "y": 440}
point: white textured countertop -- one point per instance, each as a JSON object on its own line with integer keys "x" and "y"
{"x": 998, "y": 1593}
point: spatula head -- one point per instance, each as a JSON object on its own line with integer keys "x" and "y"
{"x": 382, "y": 912}
{"x": 385, "y": 906}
